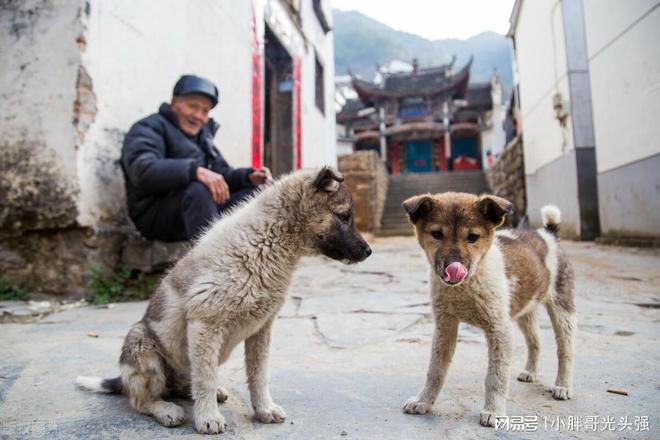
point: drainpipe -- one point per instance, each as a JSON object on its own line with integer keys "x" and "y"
{"x": 577, "y": 62}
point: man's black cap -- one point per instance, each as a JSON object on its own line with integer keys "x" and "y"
{"x": 188, "y": 84}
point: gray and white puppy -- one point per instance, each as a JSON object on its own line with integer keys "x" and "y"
{"x": 227, "y": 289}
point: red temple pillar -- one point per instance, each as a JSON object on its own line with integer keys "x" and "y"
{"x": 442, "y": 157}
{"x": 393, "y": 154}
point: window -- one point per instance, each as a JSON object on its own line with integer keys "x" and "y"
{"x": 320, "y": 89}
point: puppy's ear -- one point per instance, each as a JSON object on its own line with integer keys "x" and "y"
{"x": 328, "y": 179}
{"x": 494, "y": 208}
{"x": 418, "y": 207}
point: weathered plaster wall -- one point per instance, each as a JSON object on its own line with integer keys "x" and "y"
{"x": 40, "y": 57}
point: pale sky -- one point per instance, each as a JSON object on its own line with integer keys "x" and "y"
{"x": 436, "y": 19}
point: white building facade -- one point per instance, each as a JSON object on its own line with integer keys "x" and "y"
{"x": 588, "y": 91}
{"x": 78, "y": 73}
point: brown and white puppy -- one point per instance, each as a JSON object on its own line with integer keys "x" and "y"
{"x": 228, "y": 289}
{"x": 490, "y": 279}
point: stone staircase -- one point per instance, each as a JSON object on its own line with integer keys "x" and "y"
{"x": 394, "y": 220}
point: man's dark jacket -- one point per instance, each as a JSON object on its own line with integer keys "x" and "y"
{"x": 158, "y": 157}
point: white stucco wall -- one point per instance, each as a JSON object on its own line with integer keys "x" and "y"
{"x": 548, "y": 148}
{"x": 133, "y": 51}
{"x": 318, "y": 134}
{"x": 624, "y": 64}
{"x": 134, "y": 56}
{"x": 541, "y": 59}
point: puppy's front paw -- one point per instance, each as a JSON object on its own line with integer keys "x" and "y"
{"x": 526, "y": 376}
{"x": 414, "y": 406}
{"x": 210, "y": 424}
{"x": 169, "y": 414}
{"x": 561, "y": 393}
{"x": 270, "y": 414}
{"x": 222, "y": 394}
{"x": 488, "y": 418}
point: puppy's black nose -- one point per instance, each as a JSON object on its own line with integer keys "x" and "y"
{"x": 367, "y": 251}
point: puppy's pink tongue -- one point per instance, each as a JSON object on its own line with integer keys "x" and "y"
{"x": 455, "y": 273}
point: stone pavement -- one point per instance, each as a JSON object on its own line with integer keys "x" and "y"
{"x": 350, "y": 346}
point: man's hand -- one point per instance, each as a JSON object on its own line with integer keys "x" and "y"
{"x": 260, "y": 176}
{"x": 215, "y": 183}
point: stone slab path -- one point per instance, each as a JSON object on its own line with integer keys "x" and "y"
{"x": 350, "y": 346}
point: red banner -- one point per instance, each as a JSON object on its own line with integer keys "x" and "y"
{"x": 297, "y": 114}
{"x": 257, "y": 96}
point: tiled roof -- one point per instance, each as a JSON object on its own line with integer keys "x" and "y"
{"x": 350, "y": 109}
{"x": 425, "y": 82}
{"x": 478, "y": 96}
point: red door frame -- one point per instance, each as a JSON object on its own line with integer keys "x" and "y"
{"x": 393, "y": 150}
{"x": 297, "y": 113}
{"x": 441, "y": 153}
{"x": 257, "y": 96}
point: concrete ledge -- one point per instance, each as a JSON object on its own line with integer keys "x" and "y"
{"x": 151, "y": 256}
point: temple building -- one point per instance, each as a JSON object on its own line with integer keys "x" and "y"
{"x": 423, "y": 120}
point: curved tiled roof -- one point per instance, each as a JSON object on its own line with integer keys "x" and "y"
{"x": 350, "y": 109}
{"x": 426, "y": 82}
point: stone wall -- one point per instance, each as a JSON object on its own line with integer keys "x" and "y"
{"x": 367, "y": 179}
{"x": 506, "y": 178}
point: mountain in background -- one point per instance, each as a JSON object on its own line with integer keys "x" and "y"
{"x": 362, "y": 42}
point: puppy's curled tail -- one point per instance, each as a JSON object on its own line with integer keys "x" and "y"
{"x": 99, "y": 385}
{"x": 551, "y": 216}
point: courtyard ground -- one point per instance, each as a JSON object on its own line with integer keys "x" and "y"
{"x": 350, "y": 346}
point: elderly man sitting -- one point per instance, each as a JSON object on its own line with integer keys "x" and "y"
{"x": 176, "y": 179}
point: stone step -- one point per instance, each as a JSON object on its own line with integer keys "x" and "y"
{"x": 397, "y": 198}
{"x": 395, "y": 217}
{"x": 391, "y": 232}
{"x": 397, "y": 226}
{"x": 448, "y": 186}
{"x": 394, "y": 220}
{"x": 398, "y": 217}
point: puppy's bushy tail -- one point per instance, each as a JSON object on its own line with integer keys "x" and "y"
{"x": 551, "y": 216}
{"x": 99, "y": 385}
